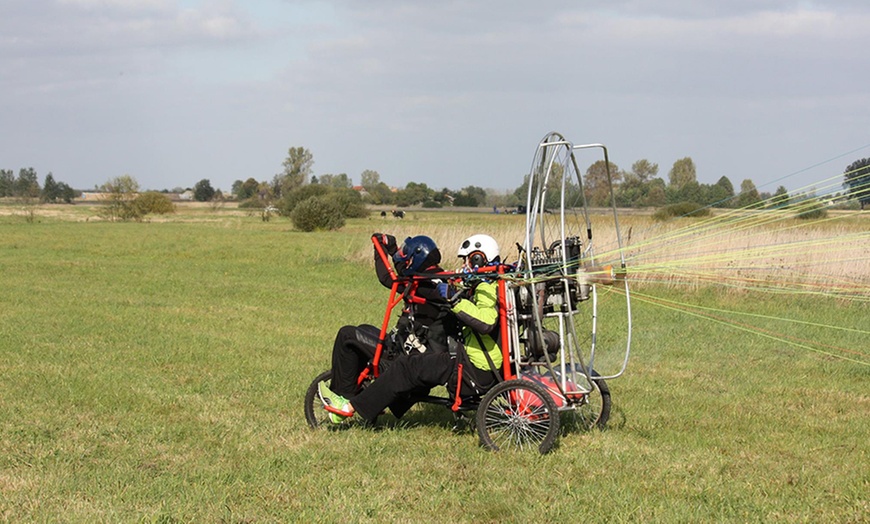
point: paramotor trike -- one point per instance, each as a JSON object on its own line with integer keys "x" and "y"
{"x": 550, "y": 320}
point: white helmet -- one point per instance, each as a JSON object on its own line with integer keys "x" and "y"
{"x": 479, "y": 250}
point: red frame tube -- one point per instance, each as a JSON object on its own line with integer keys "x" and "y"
{"x": 396, "y": 298}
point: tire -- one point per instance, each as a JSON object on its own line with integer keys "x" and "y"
{"x": 315, "y": 415}
{"x": 518, "y": 414}
{"x": 595, "y": 409}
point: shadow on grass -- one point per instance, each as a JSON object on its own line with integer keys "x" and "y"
{"x": 437, "y": 416}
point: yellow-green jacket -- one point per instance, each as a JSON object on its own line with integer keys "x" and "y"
{"x": 480, "y": 315}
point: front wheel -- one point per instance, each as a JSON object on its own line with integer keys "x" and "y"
{"x": 315, "y": 415}
{"x": 518, "y": 414}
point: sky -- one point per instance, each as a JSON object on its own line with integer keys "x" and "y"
{"x": 447, "y": 93}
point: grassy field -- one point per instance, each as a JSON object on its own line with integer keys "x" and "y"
{"x": 154, "y": 372}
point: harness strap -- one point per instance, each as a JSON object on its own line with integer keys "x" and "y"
{"x": 488, "y": 358}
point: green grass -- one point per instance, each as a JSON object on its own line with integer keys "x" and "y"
{"x": 155, "y": 372}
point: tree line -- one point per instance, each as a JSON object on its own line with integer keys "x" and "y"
{"x": 26, "y": 186}
{"x": 640, "y": 186}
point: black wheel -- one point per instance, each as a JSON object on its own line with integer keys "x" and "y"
{"x": 594, "y": 410}
{"x": 314, "y": 412}
{"x": 518, "y": 414}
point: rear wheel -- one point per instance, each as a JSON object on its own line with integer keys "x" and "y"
{"x": 594, "y": 411}
{"x": 518, "y": 414}
{"x": 315, "y": 415}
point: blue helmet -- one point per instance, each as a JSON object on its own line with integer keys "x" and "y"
{"x": 416, "y": 254}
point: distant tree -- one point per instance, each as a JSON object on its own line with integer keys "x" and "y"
{"x": 645, "y": 170}
{"x": 500, "y": 198}
{"x": 27, "y": 184}
{"x": 521, "y": 193}
{"x": 120, "y": 194}
{"x": 7, "y": 183}
{"x": 597, "y": 185}
{"x": 682, "y": 173}
{"x": 726, "y": 184}
{"x": 369, "y": 179}
{"x": 297, "y": 169}
{"x": 441, "y": 198}
{"x": 245, "y": 190}
{"x": 462, "y": 200}
{"x": 630, "y": 192}
{"x": 780, "y": 199}
{"x": 50, "y": 189}
{"x": 748, "y": 196}
{"x": 470, "y": 196}
{"x": 857, "y": 180}
{"x": 340, "y": 181}
{"x": 691, "y": 191}
{"x": 573, "y": 195}
{"x": 202, "y": 191}
{"x": 657, "y": 195}
{"x": 722, "y": 193}
{"x": 218, "y": 201}
{"x": 380, "y": 193}
{"x": 414, "y": 193}
{"x": 67, "y": 194}
{"x": 265, "y": 192}
{"x": 634, "y": 191}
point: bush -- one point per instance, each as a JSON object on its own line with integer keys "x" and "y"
{"x": 153, "y": 202}
{"x": 120, "y": 195}
{"x": 317, "y": 212}
{"x": 812, "y": 210}
{"x": 432, "y": 204}
{"x": 682, "y": 209}
{"x": 294, "y": 198}
{"x": 350, "y": 203}
{"x": 252, "y": 203}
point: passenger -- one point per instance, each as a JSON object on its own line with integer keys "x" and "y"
{"x": 477, "y": 360}
{"x": 421, "y": 327}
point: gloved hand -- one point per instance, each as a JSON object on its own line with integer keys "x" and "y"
{"x": 388, "y": 241}
{"x": 450, "y": 293}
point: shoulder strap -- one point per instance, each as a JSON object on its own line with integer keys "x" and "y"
{"x": 489, "y": 361}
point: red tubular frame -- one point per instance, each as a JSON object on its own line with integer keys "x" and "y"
{"x": 507, "y": 370}
{"x": 409, "y": 295}
{"x": 391, "y": 304}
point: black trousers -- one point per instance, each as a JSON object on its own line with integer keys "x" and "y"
{"x": 353, "y": 349}
{"x": 409, "y": 375}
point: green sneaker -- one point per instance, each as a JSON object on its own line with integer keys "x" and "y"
{"x": 334, "y": 401}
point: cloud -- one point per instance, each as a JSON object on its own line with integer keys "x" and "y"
{"x": 78, "y": 45}
{"x": 105, "y": 26}
{"x": 429, "y": 91}
{"x": 125, "y": 5}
